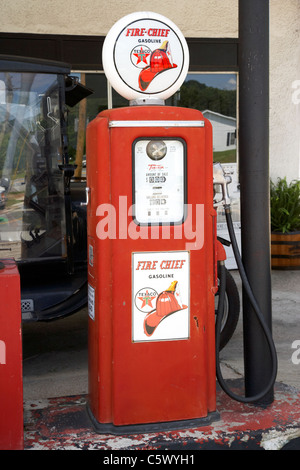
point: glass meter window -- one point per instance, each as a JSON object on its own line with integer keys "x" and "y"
{"x": 32, "y": 205}
{"x": 159, "y": 167}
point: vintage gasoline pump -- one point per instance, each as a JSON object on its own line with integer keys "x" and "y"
{"x": 152, "y": 246}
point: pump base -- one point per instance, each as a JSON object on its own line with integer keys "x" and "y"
{"x": 110, "y": 428}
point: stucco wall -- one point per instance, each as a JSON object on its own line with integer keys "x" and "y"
{"x": 284, "y": 71}
{"x": 196, "y": 18}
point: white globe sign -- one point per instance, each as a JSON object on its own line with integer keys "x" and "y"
{"x": 145, "y": 56}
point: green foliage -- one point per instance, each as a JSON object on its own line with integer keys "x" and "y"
{"x": 225, "y": 156}
{"x": 285, "y": 206}
{"x": 199, "y": 96}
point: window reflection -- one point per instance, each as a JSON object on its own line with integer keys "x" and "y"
{"x": 32, "y": 216}
{"x": 214, "y": 94}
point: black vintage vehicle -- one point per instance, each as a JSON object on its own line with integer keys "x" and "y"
{"x": 42, "y": 212}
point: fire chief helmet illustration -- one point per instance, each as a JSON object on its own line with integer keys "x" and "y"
{"x": 160, "y": 61}
{"x": 168, "y": 302}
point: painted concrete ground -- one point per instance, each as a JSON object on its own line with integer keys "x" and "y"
{"x": 63, "y": 423}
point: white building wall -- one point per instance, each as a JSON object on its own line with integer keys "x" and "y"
{"x": 222, "y": 125}
{"x": 220, "y": 136}
{"x": 284, "y": 103}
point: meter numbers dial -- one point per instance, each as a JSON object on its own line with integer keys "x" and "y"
{"x": 156, "y": 149}
{"x": 159, "y": 177}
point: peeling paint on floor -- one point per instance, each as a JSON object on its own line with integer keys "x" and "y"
{"x": 63, "y": 423}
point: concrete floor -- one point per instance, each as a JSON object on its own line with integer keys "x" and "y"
{"x": 55, "y": 357}
{"x": 55, "y": 353}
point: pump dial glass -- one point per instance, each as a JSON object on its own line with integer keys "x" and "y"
{"x": 156, "y": 149}
{"x": 159, "y": 180}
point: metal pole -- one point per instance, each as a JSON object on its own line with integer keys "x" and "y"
{"x": 254, "y": 183}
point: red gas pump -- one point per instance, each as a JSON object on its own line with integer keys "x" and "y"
{"x": 152, "y": 269}
{"x": 11, "y": 379}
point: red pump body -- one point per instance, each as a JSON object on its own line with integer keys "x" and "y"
{"x": 151, "y": 348}
{"x": 11, "y": 370}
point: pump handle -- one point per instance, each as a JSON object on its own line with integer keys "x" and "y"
{"x": 220, "y": 177}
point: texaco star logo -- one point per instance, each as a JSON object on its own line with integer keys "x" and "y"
{"x": 145, "y": 299}
{"x": 140, "y": 56}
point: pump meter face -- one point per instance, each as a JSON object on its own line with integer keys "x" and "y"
{"x": 159, "y": 167}
{"x": 156, "y": 149}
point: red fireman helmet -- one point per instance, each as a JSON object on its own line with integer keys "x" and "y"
{"x": 160, "y": 60}
{"x": 166, "y": 304}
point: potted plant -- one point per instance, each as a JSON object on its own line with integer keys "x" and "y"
{"x": 285, "y": 224}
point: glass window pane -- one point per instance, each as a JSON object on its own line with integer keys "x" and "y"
{"x": 32, "y": 213}
{"x": 81, "y": 114}
{"x": 215, "y": 95}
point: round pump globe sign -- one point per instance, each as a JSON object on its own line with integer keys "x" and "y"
{"x": 145, "y": 56}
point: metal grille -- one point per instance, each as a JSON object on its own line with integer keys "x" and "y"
{"x": 27, "y": 305}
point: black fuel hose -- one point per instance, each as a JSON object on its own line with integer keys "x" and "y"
{"x": 257, "y": 311}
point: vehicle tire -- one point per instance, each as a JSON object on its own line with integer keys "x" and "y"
{"x": 231, "y": 310}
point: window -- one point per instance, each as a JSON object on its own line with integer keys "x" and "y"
{"x": 32, "y": 210}
{"x": 230, "y": 138}
{"x": 214, "y": 94}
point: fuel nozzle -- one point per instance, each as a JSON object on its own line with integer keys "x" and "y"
{"x": 221, "y": 178}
